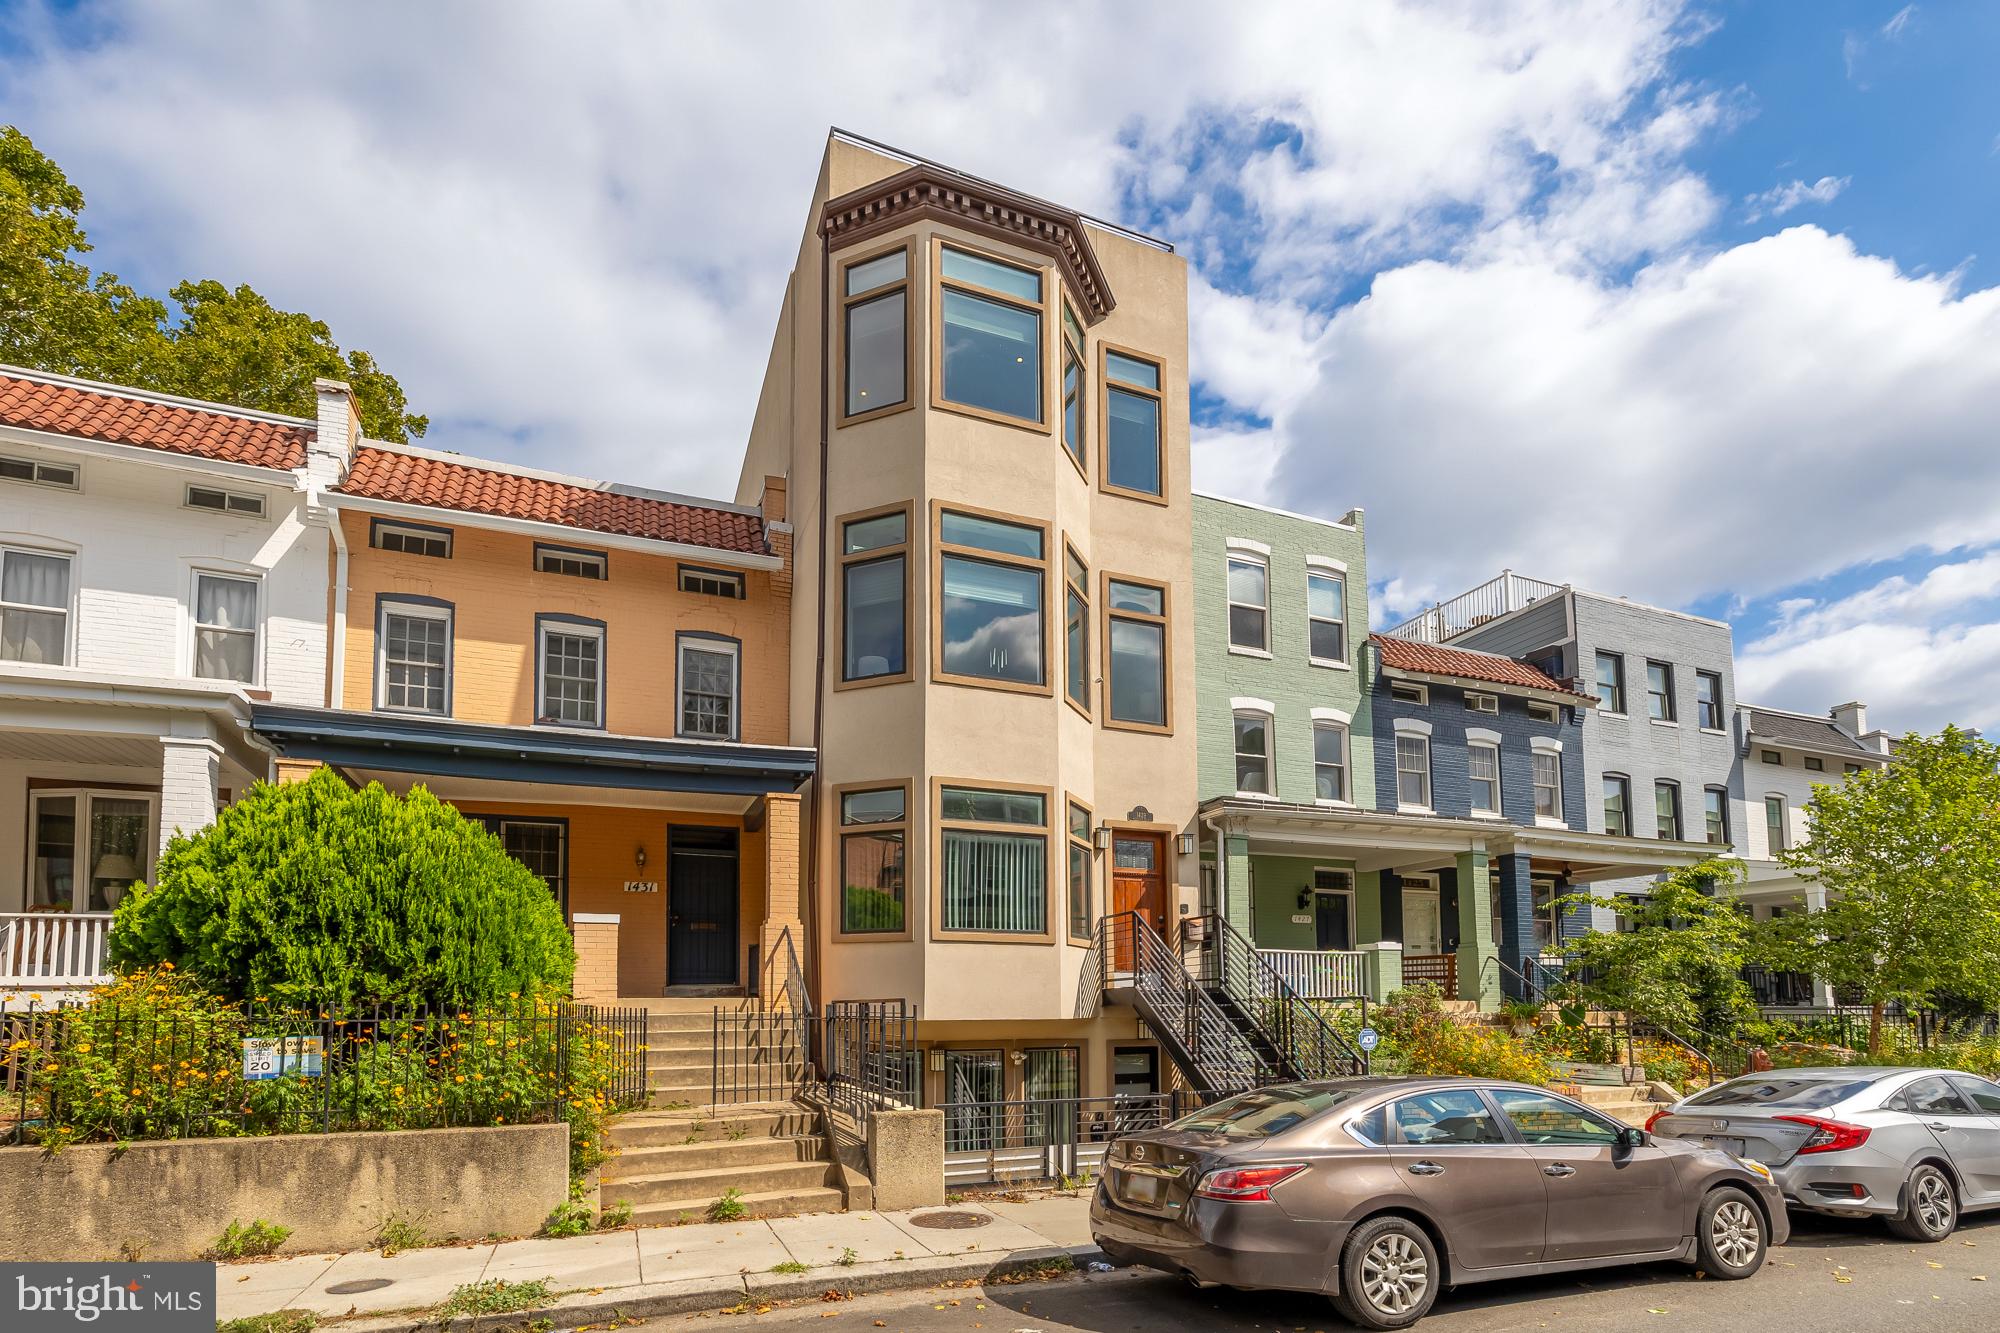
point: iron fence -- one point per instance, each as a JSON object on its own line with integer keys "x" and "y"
{"x": 1057, "y": 1138}
{"x": 761, "y": 1055}
{"x": 869, "y": 1056}
{"x": 106, "y": 1069}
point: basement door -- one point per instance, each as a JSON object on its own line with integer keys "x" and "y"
{"x": 701, "y": 906}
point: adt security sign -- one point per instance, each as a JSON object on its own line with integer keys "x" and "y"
{"x": 1369, "y": 1039}
{"x": 274, "y": 1057}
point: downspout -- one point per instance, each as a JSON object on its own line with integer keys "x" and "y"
{"x": 1221, "y": 866}
{"x": 809, "y": 891}
{"x": 336, "y": 682}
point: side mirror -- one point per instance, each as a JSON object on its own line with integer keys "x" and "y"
{"x": 1628, "y": 1137}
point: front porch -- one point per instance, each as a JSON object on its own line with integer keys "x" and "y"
{"x": 676, "y": 862}
{"x": 1349, "y": 903}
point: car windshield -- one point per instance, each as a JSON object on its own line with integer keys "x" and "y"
{"x": 1267, "y": 1111}
{"x": 1808, "y": 1093}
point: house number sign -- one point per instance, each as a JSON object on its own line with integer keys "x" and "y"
{"x": 642, "y": 886}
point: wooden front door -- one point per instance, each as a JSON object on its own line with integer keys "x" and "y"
{"x": 1139, "y": 886}
{"x": 701, "y": 906}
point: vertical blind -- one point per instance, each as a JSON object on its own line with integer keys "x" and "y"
{"x": 995, "y": 881}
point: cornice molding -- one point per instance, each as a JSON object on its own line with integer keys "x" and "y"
{"x": 926, "y": 192}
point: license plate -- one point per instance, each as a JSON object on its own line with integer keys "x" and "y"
{"x": 1146, "y": 1191}
{"x": 1735, "y": 1146}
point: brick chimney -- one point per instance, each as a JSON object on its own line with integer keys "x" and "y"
{"x": 332, "y": 448}
{"x": 777, "y": 532}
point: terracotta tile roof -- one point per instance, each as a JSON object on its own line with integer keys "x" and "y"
{"x": 1812, "y": 733}
{"x": 100, "y": 414}
{"x": 386, "y": 474}
{"x": 1463, "y": 663}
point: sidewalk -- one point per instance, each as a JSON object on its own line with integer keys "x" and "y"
{"x": 666, "y": 1270}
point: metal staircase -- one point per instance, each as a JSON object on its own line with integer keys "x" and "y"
{"x": 1289, "y": 1031}
{"x": 1212, "y": 1050}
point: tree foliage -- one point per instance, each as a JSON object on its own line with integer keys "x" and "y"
{"x": 1909, "y": 856}
{"x": 315, "y": 894}
{"x": 226, "y": 345}
{"x": 1680, "y": 963}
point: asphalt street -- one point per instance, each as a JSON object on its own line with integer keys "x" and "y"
{"x": 1834, "y": 1275}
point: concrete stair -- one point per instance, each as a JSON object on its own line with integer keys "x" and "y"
{"x": 1631, "y": 1105}
{"x": 683, "y": 1154}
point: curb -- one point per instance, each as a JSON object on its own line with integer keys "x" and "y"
{"x": 712, "y": 1293}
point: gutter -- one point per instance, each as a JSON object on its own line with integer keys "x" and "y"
{"x": 530, "y": 527}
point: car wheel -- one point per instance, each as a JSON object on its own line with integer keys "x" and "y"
{"x": 1389, "y": 1274}
{"x": 1930, "y": 1206}
{"x": 1731, "y": 1237}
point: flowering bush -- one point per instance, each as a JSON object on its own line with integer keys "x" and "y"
{"x": 155, "y": 1055}
{"x": 1420, "y": 1037}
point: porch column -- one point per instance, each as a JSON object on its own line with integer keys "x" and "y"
{"x": 1822, "y": 993}
{"x": 1517, "y": 917}
{"x": 1382, "y": 969}
{"x": 1475, "y": 932}
{"x": 188, "y": 770}
{"x": 596, "y": 936}
{"x": 1236, "y": 899}
{"x": 782, "y": 927}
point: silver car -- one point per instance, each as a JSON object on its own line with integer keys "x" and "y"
{"x": 1917, "y": 1147}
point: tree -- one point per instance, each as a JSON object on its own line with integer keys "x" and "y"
{"x": 1909, "y": 856}
{"x": 1680, "y": 964}
{"x": 228, "y": 346}
{"x": 315, "y": 894}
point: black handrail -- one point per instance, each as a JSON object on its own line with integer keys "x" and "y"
{"x": 1212, "y": 1051}
{"x": 1305, "y": 1044}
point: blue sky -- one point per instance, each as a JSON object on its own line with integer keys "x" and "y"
{"x": 1691, "y": 300}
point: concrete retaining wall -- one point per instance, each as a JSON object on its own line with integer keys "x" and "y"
{"x": 170, "y": 1200}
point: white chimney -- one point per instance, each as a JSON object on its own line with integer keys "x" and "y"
{"x": 339, "y": 429}
{"x": 1851, "y": 718}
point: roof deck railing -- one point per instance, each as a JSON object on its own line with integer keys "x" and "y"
{"x": 1489, "y": 601}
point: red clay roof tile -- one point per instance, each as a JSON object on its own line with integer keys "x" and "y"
{"x": 385, "y": 474}
{"x": 100, "y": 414}
{"x": 1433, "y": 660}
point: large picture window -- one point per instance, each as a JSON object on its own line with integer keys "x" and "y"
{"x": 1326, "y": 616}
{"x": 873, "y": 827}
{"x": 225, "y": 628}
{"x": 989, "y": 336}
{"x": 87, "y": 848}
{"x": 993, "y": 853}
{"x": 708, "y": 688}
{"x": 1073, "y": 389}
{"x": 874, "y": 334}
{"x": 571, "y": 663}
{"x": 1076, "y": 630}
{"x": 874, "y": 597}
{"x": 413, "y": 671}
{"x": 990, "y": 601}
{"x": 34, "y": 607}
{"x": 1134, "y": 449}
{"x": 1135, "y": 643}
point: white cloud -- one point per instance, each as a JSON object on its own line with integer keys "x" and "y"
{"x": 1782, "y": 199}
{"x": 1898, "y": 22}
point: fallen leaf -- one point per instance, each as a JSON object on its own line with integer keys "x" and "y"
{"x": 1842, "y": 1277}
{"x": 1656, "y": 1309}
{"x": 1980, "y": 1278}
{"x": 1932, "y": 1263}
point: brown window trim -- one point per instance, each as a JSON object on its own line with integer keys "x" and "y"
{"x": 1164, "y": 620}
{"x": 1073, "y": 347}
{"x": 907, "y": 826}
{"x": 1104, "y": 350}
{"x": 908, "y": 510}
{"x": 1093, "y": 908}
{"x": 908, "y": 245}
{"x": 1082, "y": 707}
{"x": 1050, "y": 838}
{"x": 938, "y": 283}
{"x": 1044, "y": 565}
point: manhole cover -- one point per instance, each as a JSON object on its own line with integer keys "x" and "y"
{"x": 950, "y": 1221}
{"x": 359, "y": 1285}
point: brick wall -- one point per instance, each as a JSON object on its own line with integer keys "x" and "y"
{"x": 1451, "y": 788}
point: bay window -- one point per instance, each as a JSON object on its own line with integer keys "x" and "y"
{"x": 874, "y": 335}
{"x": 1135, "y": 644}
{"x": 874, "y": 597}
{"x": 993, "y": 851}
{"x": 1073, "y": 389}
{"x": 989, "y": 612}
{"x": 1134, "y": 454}
{"x": 989, "y": 336}
{"x": 1076, "y": 630}
{"x": 1081, "y": 858}
{"x": 873, "y": 826}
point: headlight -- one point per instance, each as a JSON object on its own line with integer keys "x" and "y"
{"x": 1755, "y": 1168}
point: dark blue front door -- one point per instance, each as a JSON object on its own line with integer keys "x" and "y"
{"x": 701, "y": 906}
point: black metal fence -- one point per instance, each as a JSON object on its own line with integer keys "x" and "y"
{"x": 868, "y": 1054}
{"x": 761, "y": 1055}
{"x": 108, "y": 1069}
{"x": 1059, "y": 1138}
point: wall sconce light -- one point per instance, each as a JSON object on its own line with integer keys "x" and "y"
{"x": 1103, "y": 836}
{"x": 1187, "y": 844}
{"x": 1305, "y": 898}
{"x": 639, "y": 857}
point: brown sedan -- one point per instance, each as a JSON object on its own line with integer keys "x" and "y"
{"x": 1381, "y": 1192}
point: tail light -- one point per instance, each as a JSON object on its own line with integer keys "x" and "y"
{"x": 1248, "y": 1184}
{"x": 1827, "y": 1135}
{"x": 1654, "y": 1119}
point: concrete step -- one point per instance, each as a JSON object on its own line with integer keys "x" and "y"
{"x": 777, "y": 1203}
{"x": 1594, "y": 1094}
{"x": 696, "y": 1188}
{"x": 713, "y": 1154}
{"x": 642, "y": 1129}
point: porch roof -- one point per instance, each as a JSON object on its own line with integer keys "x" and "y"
{"x": 448, "y": 747}
{"x": 1375, "y": 840}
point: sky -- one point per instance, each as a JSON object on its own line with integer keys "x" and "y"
{"x": 1692, "y": 301}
